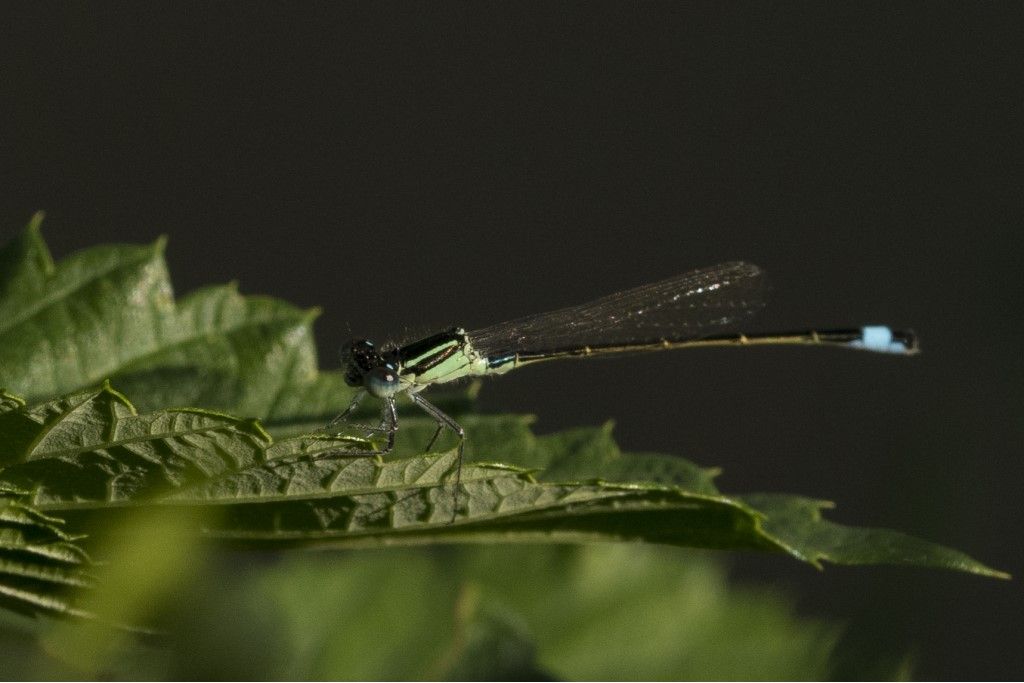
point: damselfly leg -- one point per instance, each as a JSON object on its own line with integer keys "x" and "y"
{"x": 443, "y": 420}
{"x": 381, "y": 427}
{"x": 389, "y": 425}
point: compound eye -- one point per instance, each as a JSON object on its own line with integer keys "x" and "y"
{"x": 353, "y": 379}
{"x": 382, "y": 382}
{"x": 357, "y": 358}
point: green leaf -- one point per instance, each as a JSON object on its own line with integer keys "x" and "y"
{"x": 93, "y": 451}
{"x": 109, "y": 313}
{"x": 9, "y": 401}
{"x": 41, "y": 566}
{"x": 797, "y": 524}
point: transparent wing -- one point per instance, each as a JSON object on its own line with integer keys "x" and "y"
{"x": 693, "y": 305}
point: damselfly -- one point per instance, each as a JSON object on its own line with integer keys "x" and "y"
{"x": 702, "y": 308}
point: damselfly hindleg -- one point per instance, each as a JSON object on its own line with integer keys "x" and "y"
{"x": 443, "y": 420}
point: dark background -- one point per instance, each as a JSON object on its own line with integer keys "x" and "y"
{"x": 412, "y": 166}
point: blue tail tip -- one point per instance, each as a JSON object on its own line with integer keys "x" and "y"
{"x": 883, "y": 339}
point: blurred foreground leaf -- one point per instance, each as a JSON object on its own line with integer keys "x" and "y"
{"x": 498, "y": 612}
{"x": 597, "y": 612}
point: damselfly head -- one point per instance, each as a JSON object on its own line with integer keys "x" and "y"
{"x": 359, "y": 357}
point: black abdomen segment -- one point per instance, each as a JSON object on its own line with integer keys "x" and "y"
{"x": 876, "y": 338}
